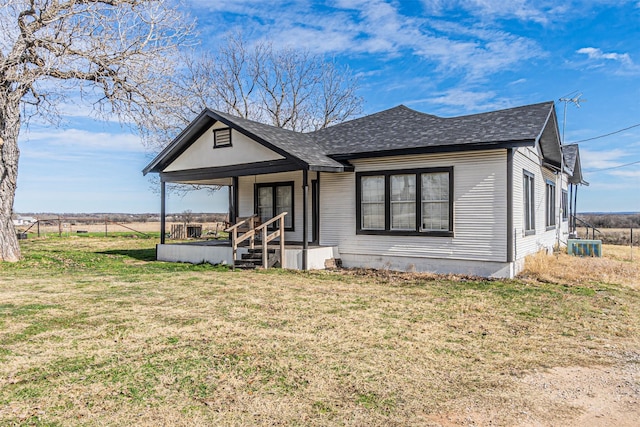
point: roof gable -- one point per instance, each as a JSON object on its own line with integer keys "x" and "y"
{"x": 572, "y": 164}
{"x": 296, "y": 147}
{"x": 202, "y": 154}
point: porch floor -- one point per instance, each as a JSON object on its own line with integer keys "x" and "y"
{"x": 223, "y": 243}
{"x": 221, "y": 252}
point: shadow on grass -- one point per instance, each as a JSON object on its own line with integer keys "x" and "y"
{"x": 139, "y": 254}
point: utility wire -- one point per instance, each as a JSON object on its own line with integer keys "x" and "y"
{"x": 613, "y": 167}
{"x": 606, "y": 134}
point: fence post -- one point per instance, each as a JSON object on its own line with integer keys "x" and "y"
{"x": 631, "y": 244}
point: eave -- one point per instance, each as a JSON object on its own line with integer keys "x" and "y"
{"x": 435, "y": 149}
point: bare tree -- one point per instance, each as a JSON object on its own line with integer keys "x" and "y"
{"x": 288, "y": 88}
{"x": 115, "y": 53}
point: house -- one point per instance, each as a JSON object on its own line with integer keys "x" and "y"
{"x": 23, "y": 220}
{"x": 398, "y": 189}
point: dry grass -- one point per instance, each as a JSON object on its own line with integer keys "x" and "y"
{"x": 92, "y": 332}
{"x": 619, "y": 265}
{"x": 612, "y": 236}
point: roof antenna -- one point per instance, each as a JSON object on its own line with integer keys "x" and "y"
{"x": 575, "y": 101}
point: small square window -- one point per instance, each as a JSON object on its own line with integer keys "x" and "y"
{"x": 222, "y": 138}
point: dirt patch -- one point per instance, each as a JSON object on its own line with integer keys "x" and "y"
{"x": 575, "y": 396}
{"x": 600, "y": 396}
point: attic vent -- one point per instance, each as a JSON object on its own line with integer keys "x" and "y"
{"x": 222, "y": 138}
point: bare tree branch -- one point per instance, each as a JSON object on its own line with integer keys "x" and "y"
{"x": 288, "y": 88}
{"x": 118, "y": 54}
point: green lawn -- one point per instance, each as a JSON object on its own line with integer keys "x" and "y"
{"x": 93, "y": 331}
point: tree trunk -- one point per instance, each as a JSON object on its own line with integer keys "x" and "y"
{"x": 9, "y": 154}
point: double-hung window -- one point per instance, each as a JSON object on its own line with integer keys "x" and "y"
{"x": 565, "y": 205}
{"x": 406, "y": 202}
{"x": 528, "y": 203}
{"x": 550, "y": 208}
{"x": 372, "y": 206}
{"x": 435, "y": 201}
{"x": 403, "y": 202}
{"x": 274, "y": 198}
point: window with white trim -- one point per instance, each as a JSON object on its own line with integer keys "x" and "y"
{"x": 528, "y": 194}
{"x": 550, "y": 205}
{"x": 565, "y": 205}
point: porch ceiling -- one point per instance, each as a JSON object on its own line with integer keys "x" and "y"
{"x": 202, "y": 175}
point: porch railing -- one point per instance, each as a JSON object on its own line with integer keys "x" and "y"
{"x": 254, "y": 230}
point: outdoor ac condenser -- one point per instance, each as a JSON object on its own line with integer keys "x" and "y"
{"x": 582, "y": 247}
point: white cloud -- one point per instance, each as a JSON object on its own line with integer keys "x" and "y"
{"x": 600, "y": 159}
{"x": 632, "y": 172}
{"x": 74, "y": 140}
{"x": 457, "y": 99}
{"x": 542, "y": 12}
{"x": 378, "y": 27}
{"x": 598, "y": 54}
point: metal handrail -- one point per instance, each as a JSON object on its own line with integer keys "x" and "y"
{"x": 587, "y": 226}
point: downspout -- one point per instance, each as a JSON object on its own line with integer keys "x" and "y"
{"x": 559, "y": 197}
{"x": 510, "y": 231}
{"x": 305, "y": 218}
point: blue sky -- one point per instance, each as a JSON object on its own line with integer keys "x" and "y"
{"x": 441, "y": 57}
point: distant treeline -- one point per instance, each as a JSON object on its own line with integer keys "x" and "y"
{"x": 611, "y": 220}
{"x": 79, "y": 218}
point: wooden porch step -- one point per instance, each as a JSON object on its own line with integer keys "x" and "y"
{"x": 253, "y": 259}
{"x": 244, "y": 265}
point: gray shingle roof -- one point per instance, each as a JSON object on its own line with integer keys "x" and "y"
{"x": 402, "y": 128}
{"x": 300, "y": 145}
{"x": 399, "y": 128}
{"x": 571, "y": 155}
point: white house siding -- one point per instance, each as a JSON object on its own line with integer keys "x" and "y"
{"x": 479, "y": 212}
{"x": 246, "y": 201}
{"x": 201, "y": 153}
{"x": 528, "y": 159}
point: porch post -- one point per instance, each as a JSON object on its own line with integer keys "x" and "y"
{"x": 570, "y": 207}
{"x": 305, "y": 218}
{"x": 233, "y": 200}
{"x": 162, "y": 212}
{"x": 575, "y": 208}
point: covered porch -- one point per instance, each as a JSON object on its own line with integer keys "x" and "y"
{"x": 286, "y": 208}
{"x": 269, "y": 171}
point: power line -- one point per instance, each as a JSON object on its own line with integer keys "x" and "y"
{"x": 613, "y": 167}
{"x": 607, "y": 134}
